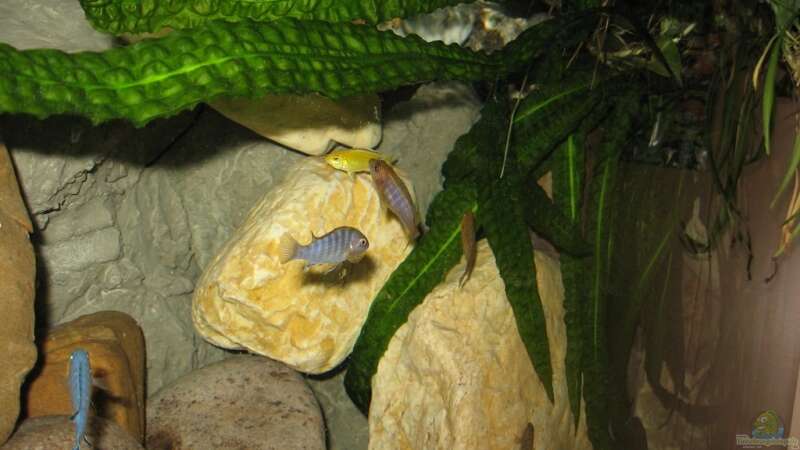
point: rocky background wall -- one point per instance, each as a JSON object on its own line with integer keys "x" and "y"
{"x": 126, "y": 219}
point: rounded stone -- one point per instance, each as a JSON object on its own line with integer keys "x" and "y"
{"x": 247, "y": 299}
{"x": 243, "y": 402}
{"x": 52, "y": 432}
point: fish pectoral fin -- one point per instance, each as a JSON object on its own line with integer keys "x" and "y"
{"x": 332, "y": 268}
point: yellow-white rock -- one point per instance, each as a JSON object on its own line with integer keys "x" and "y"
{"x": 247, "y": 299}
{"x": 457, "y": 376}
{"x": 312, "y": 124}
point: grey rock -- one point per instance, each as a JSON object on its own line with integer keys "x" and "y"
{"x": 82, "y": 251}
{"x": 59, "y": 24}
{"x": 54, "y": 432}
{"x": 91, "y": 216}
{"x": 242, "y": 402}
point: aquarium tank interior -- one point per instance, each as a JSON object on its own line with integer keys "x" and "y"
{"x": 399, "y": 224}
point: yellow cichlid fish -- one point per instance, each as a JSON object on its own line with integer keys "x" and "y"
{"x": 354, "y": 160}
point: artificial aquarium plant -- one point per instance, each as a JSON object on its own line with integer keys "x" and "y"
{"x": 248, "y": 49}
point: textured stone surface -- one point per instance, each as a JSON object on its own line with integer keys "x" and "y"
{"x": 174, "y": 192}
{"x": 243, "y": 402}
{"x": 247, "y": 299}
{"x": 17, "y": 277}
{"x": 57, "y": 24}
{"x": 457, "y": 375}
{"x": 116, "y": 353}
{"x": 58, "y": 432}
{"x": 312, "y": 124}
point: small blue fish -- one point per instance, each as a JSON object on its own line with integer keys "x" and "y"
{"x": 80, "y": 388}
{"x": 340, "y": 245}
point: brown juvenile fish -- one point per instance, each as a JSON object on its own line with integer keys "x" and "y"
{"x": 395, "y": 196}
{"x": 339, "y": 245}
{"x": 526, "y": 442}
{"x": 468, "y": 246}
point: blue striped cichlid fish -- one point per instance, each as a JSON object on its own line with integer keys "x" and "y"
{"x": 395, "y": 196}
{"x": 337, "y": 246}
{"x": 354, "y": 160}
{"x": 80, "y": 389}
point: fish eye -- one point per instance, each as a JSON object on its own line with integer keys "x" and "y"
{"x": 362, "y": 242}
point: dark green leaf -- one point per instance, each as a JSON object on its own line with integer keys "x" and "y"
{"x": 568, "y": 172}
{"x": 601, "y": 213}
{"x": 147, "y": 16}
{"x": 425, "y": 267}
{"x": 546, "y": 117}
{"x": 500, "y": 214}
{"x": 551, "y": 223}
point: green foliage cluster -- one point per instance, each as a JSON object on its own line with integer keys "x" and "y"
{"x": 246, "y": 48}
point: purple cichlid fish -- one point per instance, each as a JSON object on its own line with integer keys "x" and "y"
{"x": 80, "y": 389}
{"x": 340, "y": 245}
{"x": 394, "y": 195}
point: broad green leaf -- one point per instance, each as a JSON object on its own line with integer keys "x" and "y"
{"x": 500, "y": 214}
{"x": 768, "y": 98}
{"x": 157, "y": 78}
{"x": 435, "y": 254}
{"x": 546, "y": 117}
{"x": 147, "y": 16}
{"x": 568, "y": 172}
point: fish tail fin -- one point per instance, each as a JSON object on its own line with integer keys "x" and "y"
{"x": 287, "y": 248}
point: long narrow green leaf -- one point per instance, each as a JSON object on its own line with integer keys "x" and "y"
{"x": 568, "y": 170}
{"x": 435, "y": 254}
{"x": 551, "y": 223}
{"x": 791, "y": 169}
{"x": 600, "y": 214}
{"x": 768, "y": 99}
{"x": 500, "y": 215}
{"x": 141, "y": 16}
{"x": 156, "y": 78}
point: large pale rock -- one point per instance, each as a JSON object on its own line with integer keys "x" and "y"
{"x": 17, "y": 277}
{"x": 247, "y": 299}
{"x": 420, "y": 133}
{"x": 243, "y": 402}
{"x": 457, "y": 375}
{"x": 58, "y": 432}
{"x": 116, "y": 352}
{"x": 312, "y": 124}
